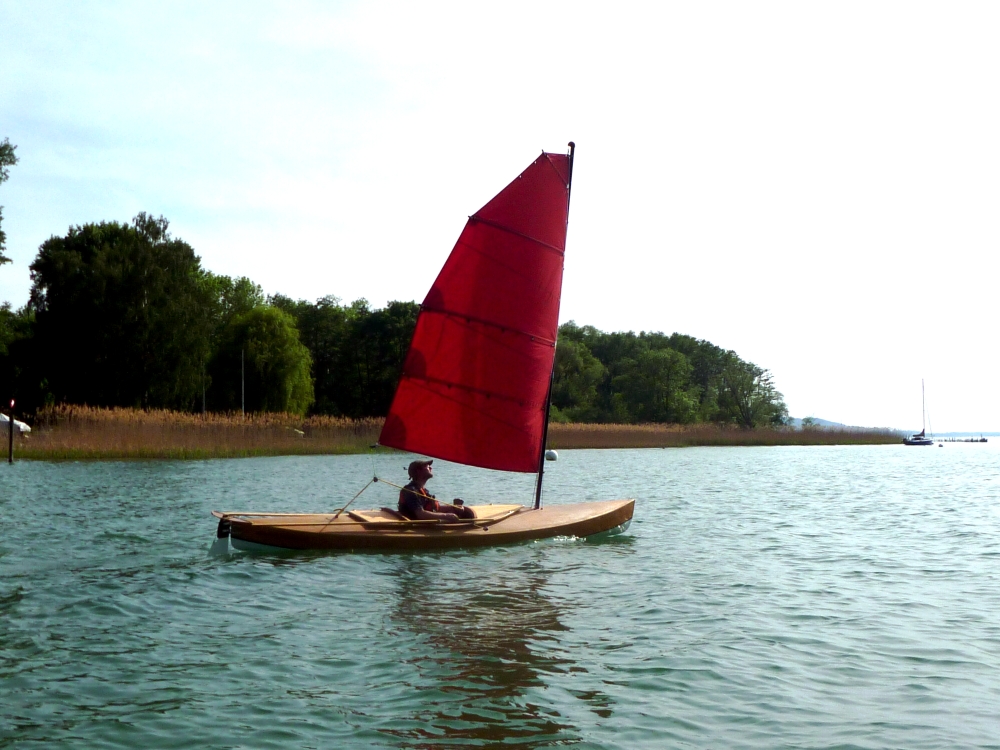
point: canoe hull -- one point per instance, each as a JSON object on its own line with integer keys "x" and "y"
{"x": 322, "y": 532}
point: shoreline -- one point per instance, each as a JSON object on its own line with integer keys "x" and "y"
{"x": 575, "y": 436}
{"x": 80, "y": 433}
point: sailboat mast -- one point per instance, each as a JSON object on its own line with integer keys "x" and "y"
{"x": 552, "y": 374}
{"x": 923, "y": 407}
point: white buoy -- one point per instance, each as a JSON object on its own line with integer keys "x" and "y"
{"x": 551, "y": 455}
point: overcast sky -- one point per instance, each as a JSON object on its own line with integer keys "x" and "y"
{"x": 812, "y": 185}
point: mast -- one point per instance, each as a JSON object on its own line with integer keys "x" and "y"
{"x": 923, "y": 407}
{"x": 552, "y": 374}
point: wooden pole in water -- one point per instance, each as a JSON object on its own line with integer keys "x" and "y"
{"x": 10, "y": 434}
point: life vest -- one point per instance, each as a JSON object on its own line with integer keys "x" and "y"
{"x": 429, "y": 503}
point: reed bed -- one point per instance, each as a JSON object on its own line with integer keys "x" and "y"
{"x": 568, "y": 436}
{"x": 82, "y": 432}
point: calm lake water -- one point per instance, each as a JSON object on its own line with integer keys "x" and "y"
{"x": 844, "y": 597}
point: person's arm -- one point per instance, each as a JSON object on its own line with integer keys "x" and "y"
{"x": 413, "y": 505}
{"x": 429, "y": 515}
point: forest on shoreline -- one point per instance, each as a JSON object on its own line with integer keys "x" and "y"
{"x": 124, "y": 315}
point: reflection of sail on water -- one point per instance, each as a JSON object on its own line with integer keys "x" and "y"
{"x": 487, "y": 647}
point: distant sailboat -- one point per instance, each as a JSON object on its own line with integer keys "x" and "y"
{"x": 921, "y": 438}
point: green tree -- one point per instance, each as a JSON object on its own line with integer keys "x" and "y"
{"x": 612, "y": 350}
{"x": 323, "y": 329}
{"x": 357, "y": 352}
{"x": 227, "y": 298}
{"x": 7, "y": 160}
{"x": 260, "y": 350}
{"x": 707, "y": 363}
{"x": 748, "y": 396}
{"x": 373, "y": 353}
{"x": 576, "y": 375}
{"x": 230, "y": 297}
{"x": 8, "y": 328}
{"x": 656, "y": 387}
{"x": 121, "y": 318}
{"x": 19, "y": 378}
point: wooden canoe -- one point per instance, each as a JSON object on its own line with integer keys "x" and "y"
{"x": 387, "y": 530}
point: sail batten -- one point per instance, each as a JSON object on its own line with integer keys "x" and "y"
{"x": 502, "y": 228}
{"x": 503, "y": 329}
{"x": 475, "y": 381}
{"x": 469, "y": 389}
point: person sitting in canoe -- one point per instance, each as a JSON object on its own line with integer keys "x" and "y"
{"x": 417, "y": 504}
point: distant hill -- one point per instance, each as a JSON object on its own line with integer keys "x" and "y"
{"x": 817, "y": 422}
{"x": 972, "y": 433}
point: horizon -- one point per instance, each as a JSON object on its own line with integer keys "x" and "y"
{"x": 905, "y": 430}
{"x": 807, "y": 186}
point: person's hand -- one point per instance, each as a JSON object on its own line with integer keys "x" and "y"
{"x": 458, "y": 501}
{"x": 450, "y": 518}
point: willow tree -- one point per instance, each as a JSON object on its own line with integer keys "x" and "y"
{"x": 261, "y": 364}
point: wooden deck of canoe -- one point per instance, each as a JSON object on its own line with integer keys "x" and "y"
{"x": 387, "y": 530}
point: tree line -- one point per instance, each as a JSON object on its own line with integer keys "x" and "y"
{"x": 628, "y": 378}
{"x": 124, "y": 315}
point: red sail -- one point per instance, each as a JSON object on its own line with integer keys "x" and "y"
{"x": 475, "y": 381}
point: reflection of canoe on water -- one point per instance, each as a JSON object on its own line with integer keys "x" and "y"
{"x": 476, "y": 383}
{"x": 388, "y": 530}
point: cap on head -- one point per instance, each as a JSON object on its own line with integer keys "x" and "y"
{"x": 415, "y": 466}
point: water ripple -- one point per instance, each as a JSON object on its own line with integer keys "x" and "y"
{"x": 774, "y": 597}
